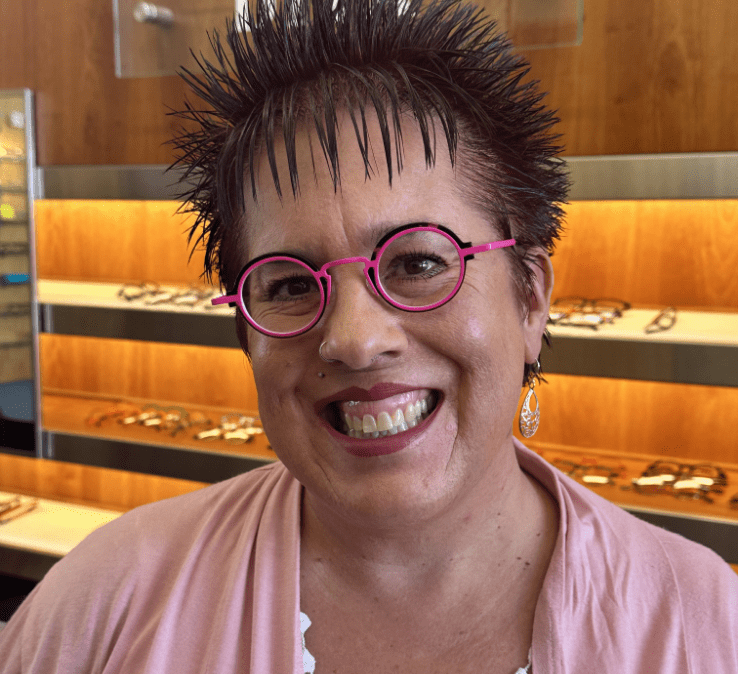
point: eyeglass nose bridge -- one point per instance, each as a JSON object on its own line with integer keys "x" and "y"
{"x": 368, "y": 265}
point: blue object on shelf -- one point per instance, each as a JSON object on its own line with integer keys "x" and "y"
{"x": 14, "y": 279}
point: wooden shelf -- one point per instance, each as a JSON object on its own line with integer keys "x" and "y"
{"x": 632, "y": 466}
{"x": 71, "y": 437}
{"x": 692, "y": 327}
{"x": 74, "y": 500}
{"x": 96, "y": 310}
{"x": 700, "y": 348}
{"x": 53, "y": 527}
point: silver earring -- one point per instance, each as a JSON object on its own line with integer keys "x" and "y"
{"x": 529, "y": 418}
{"x": 321, "y": 375}
{"x": 320, "y": 353}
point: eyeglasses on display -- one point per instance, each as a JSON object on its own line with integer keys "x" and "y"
{"x": 585, "y": 313}
{"x": 234, "y": 428}
{"x": 664, "y": 320}
{"x": 16, "y": 506}
{"x": 416, "y": 267}
{"x": 589, "y": 473}
{"x": 151, "y": 294}
{"x": 15, "y": 309}
{"x": 13, "y": 248}
{"x": 696, "y": 481}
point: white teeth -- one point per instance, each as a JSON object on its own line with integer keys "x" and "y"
{"x": 369, "y": 424}
{"x": 386, "y": 424}
{"x": 384, "y": 421}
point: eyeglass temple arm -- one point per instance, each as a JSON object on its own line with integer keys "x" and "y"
{"x": 225, "y": 299}
{"x": 472, "y": 250}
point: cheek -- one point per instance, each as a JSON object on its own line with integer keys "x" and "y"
{"x": 277, "y": 373}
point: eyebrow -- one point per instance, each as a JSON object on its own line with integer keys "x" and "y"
{"x": 370, "y": 238}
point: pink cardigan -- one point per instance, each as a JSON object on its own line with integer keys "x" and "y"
{"x": 209, "y": 582}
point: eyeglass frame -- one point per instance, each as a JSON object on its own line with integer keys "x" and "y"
{"x": 324, "y": 280}
{"x": 684, "y": 472}
{"x": 590, "y": 473}
{"x": 586, "y": 307}
{"x": 664, "y": 320}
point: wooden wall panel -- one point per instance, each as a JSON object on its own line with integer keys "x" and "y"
{"x": 85, "y": 114}
{"x": 651, "y": 253}
{"x": 638, "y": 417}
{"x": 650, "y": 76}
{"x": 192, "y": 375}
{"x": 101, "y": 487}
{"x": 115, "y": 241}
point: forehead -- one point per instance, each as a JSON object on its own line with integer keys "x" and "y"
{"x": 363, "y": 206}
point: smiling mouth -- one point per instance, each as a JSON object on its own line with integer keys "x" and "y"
{"x": 377, "y": 419}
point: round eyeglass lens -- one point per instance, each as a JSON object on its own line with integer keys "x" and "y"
{"x": 419, "y": 269}
{"x": 282, "y": 295}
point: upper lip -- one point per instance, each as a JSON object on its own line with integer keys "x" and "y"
{"x": 376, "y": 392}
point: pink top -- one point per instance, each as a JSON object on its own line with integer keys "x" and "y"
{"x": 209, "y": 582}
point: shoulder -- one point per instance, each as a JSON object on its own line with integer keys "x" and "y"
{"x": 131, "y": 569}
{"x": 598, "y": 527}
{"x": 166, "y": 529}
{"x": 634, "y": 580}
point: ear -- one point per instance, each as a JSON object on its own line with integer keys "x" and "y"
{"x": 534, "y": 324}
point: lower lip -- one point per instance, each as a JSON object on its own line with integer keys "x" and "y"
{"x": 389, "y": 444}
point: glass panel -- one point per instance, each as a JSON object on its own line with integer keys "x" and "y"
{"x": 154, "y": 38}
{"x": 19, "y": 386}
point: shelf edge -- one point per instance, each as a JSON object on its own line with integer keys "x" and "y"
{"x": 704, "y": 175}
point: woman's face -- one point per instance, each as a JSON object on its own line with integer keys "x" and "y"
{"x": 465, "y": 359}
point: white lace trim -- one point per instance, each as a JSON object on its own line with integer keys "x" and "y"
{"x": 308, "y": 661}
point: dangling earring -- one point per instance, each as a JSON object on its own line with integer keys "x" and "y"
{"x": 529, "y": 418}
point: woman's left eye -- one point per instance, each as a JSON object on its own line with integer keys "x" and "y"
{"x": 423, "y": 266}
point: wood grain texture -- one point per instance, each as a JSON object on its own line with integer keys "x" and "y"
{"x": 88, "y": 485}
{"x": 651, "y": 253}
{"x": 639, "y": 417}
{"x": 650, "y": 76}
{"x": 194, "y": 375}
{"x": 115, "y": 241}
{"x": 85, "y": 115}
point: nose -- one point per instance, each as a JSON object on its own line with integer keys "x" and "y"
{"x": 360, "y": 330}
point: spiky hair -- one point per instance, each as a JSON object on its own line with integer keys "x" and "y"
{"x": 441, "y": 62}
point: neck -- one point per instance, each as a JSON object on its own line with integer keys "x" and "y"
{"x": 499, "y": 530}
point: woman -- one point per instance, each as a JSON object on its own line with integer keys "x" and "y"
{"x": 379, "y": 193}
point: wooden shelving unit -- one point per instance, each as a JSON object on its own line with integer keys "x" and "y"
{"x": 615, "y": 393}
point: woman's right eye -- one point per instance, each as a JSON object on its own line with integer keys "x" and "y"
{"x": 291, "y": 288}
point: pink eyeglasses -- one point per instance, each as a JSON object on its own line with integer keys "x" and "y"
{"x": 415, "y": 267}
